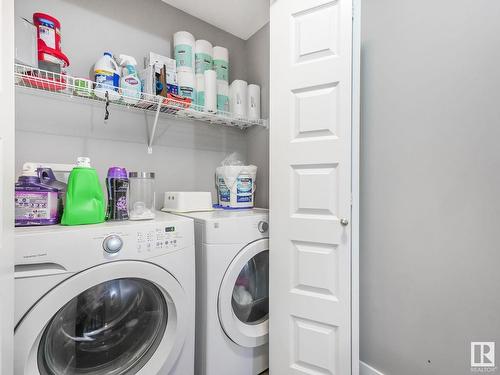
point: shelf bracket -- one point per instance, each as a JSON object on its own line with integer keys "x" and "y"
{"x": 153, "y": 130}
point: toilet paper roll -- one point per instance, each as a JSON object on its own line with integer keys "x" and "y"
{"x": 187, "y": 85}
{"x": 253, "y": 102}
{"x": 200, "y": 91}
{"x": 238, "y": 98}
{"x": 203, "y": 56}
{"x": 210, "y": 91}
{"x": 221, "y": 63}
{"x": 222, "y": 96}
{"x": 184, "y": 50}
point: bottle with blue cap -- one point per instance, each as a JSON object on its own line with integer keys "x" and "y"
{"x": 107, "y": 77}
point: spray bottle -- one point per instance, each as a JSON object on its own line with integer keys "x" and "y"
{"x": 129, "y": 81}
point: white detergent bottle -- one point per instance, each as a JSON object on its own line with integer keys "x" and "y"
{"x": 129, "y": 81}
{"x": 107, "y": 77}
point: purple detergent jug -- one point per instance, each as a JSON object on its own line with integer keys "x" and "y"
{"x": 38, "y": 198}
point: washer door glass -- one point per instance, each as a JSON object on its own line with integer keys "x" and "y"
{"x": 111, "y": 328}
{"x": 250, "y": 299}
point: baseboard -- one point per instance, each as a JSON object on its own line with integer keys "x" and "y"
{"x": 365, "y": 369}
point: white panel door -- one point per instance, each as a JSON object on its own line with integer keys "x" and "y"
{"x": 6, "y": 185}
{"x": 310, "y": 194}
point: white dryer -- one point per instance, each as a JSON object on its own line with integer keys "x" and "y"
{"x": 112, "y": 298}
{"x": 232, "y": 305}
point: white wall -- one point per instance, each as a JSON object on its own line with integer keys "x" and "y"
{"x": 430, "y": 183}
{"x": 257, "y": 52}
{"x": 186, "y": 153}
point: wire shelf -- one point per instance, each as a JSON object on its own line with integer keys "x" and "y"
{"x": 63, "y": 85}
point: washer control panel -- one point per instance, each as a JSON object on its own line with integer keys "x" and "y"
{"x": 162, "y": 238}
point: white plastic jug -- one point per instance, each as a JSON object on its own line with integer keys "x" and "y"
{"x": 107, "y": 77}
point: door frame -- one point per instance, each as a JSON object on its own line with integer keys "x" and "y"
{"x": 7, "y": 159}
{"x": 355, "y": 181}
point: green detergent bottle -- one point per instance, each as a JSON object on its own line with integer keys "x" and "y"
{"x": 84, "y": 196}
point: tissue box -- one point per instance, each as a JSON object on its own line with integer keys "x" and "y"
{"x": 187, "y": 201}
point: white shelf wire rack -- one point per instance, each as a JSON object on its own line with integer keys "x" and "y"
{"x": 66, "y": 86}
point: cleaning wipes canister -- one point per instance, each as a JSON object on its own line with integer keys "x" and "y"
{"x": 203, "y": 56}
{"x": 239, "y": 180}
{"x": 222, "y": 96}
{"x": 184, "y": 48}
{"x": 187, "y": 86}
{"x": 221, "y": 63}
{"x": 200, "y": 91}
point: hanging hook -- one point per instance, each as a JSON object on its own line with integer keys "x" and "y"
{"x": 106, "y": 114}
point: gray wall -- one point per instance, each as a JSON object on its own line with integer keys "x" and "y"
{"x": 186, "y": 153}
{"x": 257, "y": 51}
{"x": 430, "y": 207}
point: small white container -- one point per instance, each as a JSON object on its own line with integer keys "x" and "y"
{"x": 238, "y": 98}
{"x": 253, "y": 102}
{"x": 184, "y": 49}
{"x": 187, "y": 201}
{"x": 141, "y": 195}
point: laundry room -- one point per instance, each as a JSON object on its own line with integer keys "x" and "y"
{"x": 146, "y": 138}
{"x": 249, "y": 187}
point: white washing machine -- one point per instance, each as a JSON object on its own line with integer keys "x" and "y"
{"x": 113, "y": 298}
{"x": 232, "y": 305}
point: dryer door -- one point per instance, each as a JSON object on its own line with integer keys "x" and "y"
{"x": 243, "y": 301}
{"x": 124, "y": 317}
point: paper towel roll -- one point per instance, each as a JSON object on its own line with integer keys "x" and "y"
{"x": 238, "y": 98}
{"x": 203, "y": 56}
{"x": 221, "y": 63}
{"x": 210, "y": 91}
{"x": 187, "y": 85}
{"x": 200, "y": 91}
{"x": 253, "y": 102}
{"x": 222, "y": 96}
{"x": 184, "y": 48}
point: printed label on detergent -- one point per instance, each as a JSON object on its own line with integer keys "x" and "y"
{"x": 35, "y": 205}
{"x": 222, "y": 69}
{"x": 244, "y": 199}
{"x": 244, "y": 185}
{"x": 105, "y": 78}
{"x": 222, "y": 103}
{"x": 224, "y": 193}
{"x": 184, "y": 55}
{"x": 203, "y": 61}
{"x": 47, "y": 32}
{"x": 187, "y": 92}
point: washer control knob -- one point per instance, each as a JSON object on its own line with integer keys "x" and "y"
{"x": 263, "y": 226}
{"x": 112, "y": 244}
